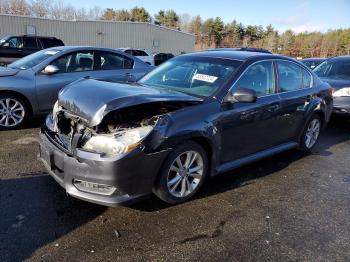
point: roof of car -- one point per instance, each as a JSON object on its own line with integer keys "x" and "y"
{"x": 38, "y": 36}
{"x": 235, "y": 55}
{"x": 313, "y": 59}
{"x": 69, "y": 47}
{"x": 249, "y": 49}
{"x": 344, "y": 57}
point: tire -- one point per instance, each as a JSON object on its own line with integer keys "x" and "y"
{"x": 310, "y": 134}
{"x": 14, "y": 112}
{"x": 173, "y": 178}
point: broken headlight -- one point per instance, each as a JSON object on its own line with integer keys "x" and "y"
{"x": 55, "y": 110}
{"x": 118, "y": 143}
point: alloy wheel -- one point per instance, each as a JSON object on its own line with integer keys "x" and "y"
{"x": 312, "y": 132}
{"x": 12, "y": 112}
{"x": 185, "y": 174}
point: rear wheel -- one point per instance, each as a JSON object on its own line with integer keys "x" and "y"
{"x": 14, "y": 112}
{"x": 311, "y": 133}
{"x": 182, "y": 174}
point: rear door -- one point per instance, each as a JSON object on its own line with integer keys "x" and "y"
{"x": 113, "y": 67}
{"x": 248, "y": 128}
{"x": 296, "y": 91}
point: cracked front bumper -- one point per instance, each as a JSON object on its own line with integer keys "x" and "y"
{"x": 133, "y": 174}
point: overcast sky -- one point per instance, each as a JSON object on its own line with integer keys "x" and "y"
{"x": 302, "y": 15}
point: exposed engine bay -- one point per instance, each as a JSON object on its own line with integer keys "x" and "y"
{"x": 119, "y": 132}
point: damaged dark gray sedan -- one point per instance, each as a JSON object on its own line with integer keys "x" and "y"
{"x": 195, "y": 116}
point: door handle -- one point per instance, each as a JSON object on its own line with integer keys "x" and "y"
{"x": 273, "y": 108}
{"x": 129, "y": 74}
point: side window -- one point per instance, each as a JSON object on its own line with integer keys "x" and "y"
{"x": 75, "y": 62}
{"x": 62, "y": 63}
{"x": 130, "y": 52}
{"x": 307, "y": 79}
{"x": 112, "y": 61}
{"x": 30, "y": 42}
{"x": 258, "y": 77}
{"x": 140, "y": 53}
{"x": 289, "y": 76}
{"x": 46, "y": 42}
{"x": 14, "y": 42}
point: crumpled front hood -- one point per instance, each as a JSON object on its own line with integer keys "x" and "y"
{"x": 6, "y": 71}
{"x": 336, "y": 83}
{"x": 91, "y": 99}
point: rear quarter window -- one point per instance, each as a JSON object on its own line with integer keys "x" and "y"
{"x": 47, "y": 42}
{"x": 307, "y": 78}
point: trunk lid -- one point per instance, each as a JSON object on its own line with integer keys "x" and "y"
{"x": 336, "y": 83}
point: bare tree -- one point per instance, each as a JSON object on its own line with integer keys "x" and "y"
{"x": 95, "y": 13}
{"x": 16, "y": 7}
{"x": 184, "y": 22}
{"x": 40, "y": 8}
{"x": 60, "y": 10}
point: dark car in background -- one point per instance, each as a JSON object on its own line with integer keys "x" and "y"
{"x": 194, "y": 116}
{"x": 312, "y": 62}
{"x": 30, "y": 86}
{"x": 16, "y": 47}
{"x": 336, "y": 72}
{"x": 160, "y": 58}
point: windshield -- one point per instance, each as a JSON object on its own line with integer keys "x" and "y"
{"x": 33, "y": 59}
{"x": 336, "y": 69}
{"x": 199, "y": 76}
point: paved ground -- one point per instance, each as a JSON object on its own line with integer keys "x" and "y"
{"x": 290, "y": 207}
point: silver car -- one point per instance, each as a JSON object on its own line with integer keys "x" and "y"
{"x": 29, "y": 87}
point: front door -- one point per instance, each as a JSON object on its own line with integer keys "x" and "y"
{"x": 71, "y": 67}
{"x": 248, "y": 128}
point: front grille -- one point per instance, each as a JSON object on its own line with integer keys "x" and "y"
{"x": 66, "y": 140}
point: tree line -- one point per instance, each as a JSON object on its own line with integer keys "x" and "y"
{"x": 210, "y": 32}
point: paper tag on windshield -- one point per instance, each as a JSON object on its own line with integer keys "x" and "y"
{"x": 205, "y": 78}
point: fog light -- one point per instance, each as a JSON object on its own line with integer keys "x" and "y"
{"x": 96, "y": 188}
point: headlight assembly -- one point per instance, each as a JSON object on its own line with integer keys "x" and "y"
{"x": 118, "y": 143}
{"x": 55, "y": 110}
{"x": 342, "y": 92}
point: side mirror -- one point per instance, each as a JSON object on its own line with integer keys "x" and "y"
{"x": 243, "y": 95}
{"x": 50, "y": 70}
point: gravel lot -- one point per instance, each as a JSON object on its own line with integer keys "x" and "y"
{"x": 290, "y": 207}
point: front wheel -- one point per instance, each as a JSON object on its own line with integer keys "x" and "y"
{"x": 182, "y": 174}
{"x": 311, "y": 133}
{"x": 13, "y": 112}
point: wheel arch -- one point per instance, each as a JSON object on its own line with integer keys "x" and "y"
{"x": 316, "y": 109}
{"x": 201, "y": 140}
{"x": 21, "y": 96}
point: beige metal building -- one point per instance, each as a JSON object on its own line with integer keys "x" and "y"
{"x": 101, "y": 33}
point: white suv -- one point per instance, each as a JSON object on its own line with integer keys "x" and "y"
{"x": 142, "y": 54}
